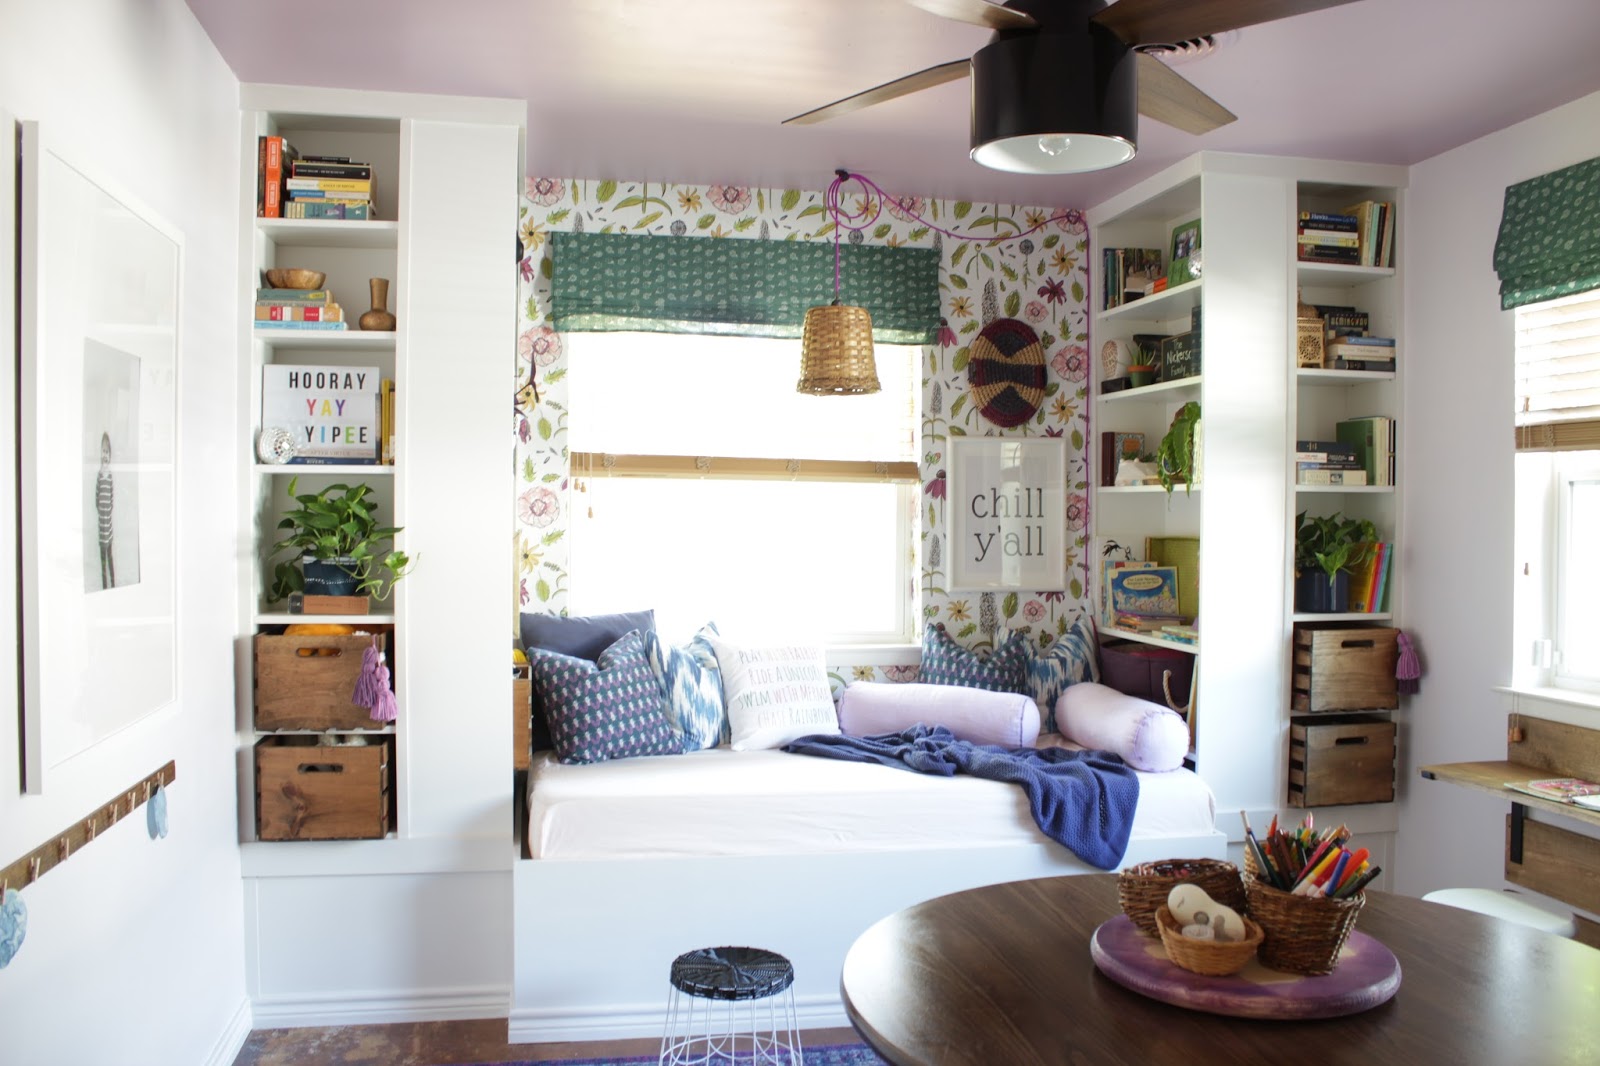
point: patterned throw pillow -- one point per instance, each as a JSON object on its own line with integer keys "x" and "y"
{"x": 692, "y": 685}
{"x": 1069, "y": 660}
{"x": 612, "y": 709}
{"x": 775, "y": 694}
{"x": 944, "y": 662}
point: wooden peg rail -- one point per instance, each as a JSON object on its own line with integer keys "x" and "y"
{"x": 58, "y": 849}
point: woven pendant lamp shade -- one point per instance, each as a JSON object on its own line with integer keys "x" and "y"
{"x": 836, "y": 352}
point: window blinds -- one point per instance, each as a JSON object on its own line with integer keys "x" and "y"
{"x": 1558, "y": 374}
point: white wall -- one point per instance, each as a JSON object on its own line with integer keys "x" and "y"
{"x": 134, "y": 951}
{"x": 1457, "y": 435}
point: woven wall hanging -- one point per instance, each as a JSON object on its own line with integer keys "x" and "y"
{"x": 1006, "y": 372}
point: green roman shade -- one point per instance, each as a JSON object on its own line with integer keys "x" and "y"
{"x": 1549, "y": 243}
{"x": 607, "y": 282}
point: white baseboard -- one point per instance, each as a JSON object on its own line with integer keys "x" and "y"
{"x": 231, "y": 1042}
{"x": 374, "y": 1008}
{"x": 624, "y": 1021}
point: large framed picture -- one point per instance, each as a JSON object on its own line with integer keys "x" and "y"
{"x": 1007, "y": 513}
{"x": 99, "y": 342}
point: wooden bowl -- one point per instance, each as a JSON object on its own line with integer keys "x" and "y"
{"x": 295, "y": 278}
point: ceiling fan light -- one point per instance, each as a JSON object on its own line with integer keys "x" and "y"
{"x": 1054, "y": 102}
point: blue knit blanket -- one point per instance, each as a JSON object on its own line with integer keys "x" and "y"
{"x": 1083, "y": 800}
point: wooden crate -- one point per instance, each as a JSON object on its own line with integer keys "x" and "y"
{"x": 309, "y": 791}
{"x": 521, "y": 722}
{"x": 1344, "y": 668}
{"x": 1341, "y": 759}
{"x": 306, "y": 682}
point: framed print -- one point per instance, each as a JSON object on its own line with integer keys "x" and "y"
{"x": 1007, "y": 513}
{"x": 1185, "y": 246}
{"x": 99, "y": 332}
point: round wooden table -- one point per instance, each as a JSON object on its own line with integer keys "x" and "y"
{"x": 1001, "y": 976}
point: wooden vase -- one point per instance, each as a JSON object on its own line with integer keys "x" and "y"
{"x": 379, "y": 317}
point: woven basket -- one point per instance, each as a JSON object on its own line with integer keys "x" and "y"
{"x": 1303, "y": 934}
{"x": 1214, "y": 958}
{"x": 836, "y": 352}
{"x": 1143, "y": 888}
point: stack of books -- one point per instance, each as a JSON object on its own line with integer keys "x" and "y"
{"x": 1360, "y": 353}
{"x": 329, "y": 186}
{"x": 298, "y": 309}
{"x": 1372, "y": 437}
{"x": 1328, "y": 238}
{"x": 274, "y": 157}
{"x": 1375, "y": 227}
{"x": 1369, "y": 582}
{"x": 1328, "y": 462}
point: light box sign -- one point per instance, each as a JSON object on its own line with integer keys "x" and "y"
{"x": 331, "y": 411}
{"x": 1007, "y": 513}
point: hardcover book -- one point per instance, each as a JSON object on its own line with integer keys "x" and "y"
{"x": 332, "y": 411}
{"x": 1145, "y": 592}
{"x": 1560, "y": 789}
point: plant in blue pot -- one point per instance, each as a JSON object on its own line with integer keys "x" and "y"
{"x": 339, "y": 547}
{"x": 1326, "y": 549}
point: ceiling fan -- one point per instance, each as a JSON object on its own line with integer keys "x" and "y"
{"x": 1060, "y": 86}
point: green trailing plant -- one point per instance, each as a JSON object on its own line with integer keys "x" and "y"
{"x": 1331, "y": 543}
{"x": 1175, "y": 453}
{"x": 338, "y": 525}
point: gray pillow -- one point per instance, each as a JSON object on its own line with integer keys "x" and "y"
{"x": 583, "y": 636}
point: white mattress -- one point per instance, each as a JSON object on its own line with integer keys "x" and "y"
{"x": 725, "y": 802}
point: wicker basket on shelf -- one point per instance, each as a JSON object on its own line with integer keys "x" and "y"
{"x": 1302, "y": 934}
{"x": 1214, "y": 958}
{"x": 1143, "y": 888}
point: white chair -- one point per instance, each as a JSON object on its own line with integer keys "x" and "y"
{"x": 1506, "y": 905}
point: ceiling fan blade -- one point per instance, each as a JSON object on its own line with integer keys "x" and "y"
{"x": 979, "y": 13}
{"x": 889, "y": 90}
{"x": 1170, "y": 21}
{"x": 1169, "y": 97}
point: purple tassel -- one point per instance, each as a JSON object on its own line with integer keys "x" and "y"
{"x": 366, "y": 682}
{"x": 384, "y": 707}
{"x": 1407, "y": 669}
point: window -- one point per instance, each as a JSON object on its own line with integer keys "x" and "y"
{"x": 1558, "y": 491}
{"x": 706, "y": 488}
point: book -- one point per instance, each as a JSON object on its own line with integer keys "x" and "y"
{"x": 1343, "y": 363}
{"x": 1318, "y": 253}
{"x": 1358, "y": 351}
{"x": 1330, "y": 238}
{"x": 1369, "y": 342}
{"x": 1341, "y": 456}
{"x": 318, "y": 208}
{"x": 1559, "y": 789}
{"x": 1342, "y": 220}
{"x": 1331, "y": 477}
{"x": 1187, "y": 633}
{"x": 1183, "y": 554}
{"x": 386, "y": 419}
{"x": 1146, "y": 592}
{"x": 302, "y": 325}
{"x": 359, "y": 185}
{"x": 1329, "y": 446}
{"x": 326, "y": 158}
{"x": 327, "y": 194}
{"x": 1380, "y": 590}
{"x": 1109, "y": 567}
{"x": 332, "y": 411}
{"x": 1364, "y": 581}
{"x": 299, "y": 313}
{"x": 1114, "y": 447}
{"x": 294, "y": 296}
{"x": 1369, "y": 435}
{"x": 278, "y": 154}
{"x": 305, "y": 168}
{"x": 1339, "y": 462}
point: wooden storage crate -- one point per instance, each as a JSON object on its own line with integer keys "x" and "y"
{"x": 1341, "y": 759}
{"x": 306, "y": 682}
{"x": 1344, "y": 668}
{"x": 521, "y": 720}
{"x": 309, "y": 791}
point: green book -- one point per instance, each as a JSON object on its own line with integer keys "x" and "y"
{"x": 1369, "y": 440}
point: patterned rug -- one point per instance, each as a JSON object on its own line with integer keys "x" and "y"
{"x": 825, "y": 1055}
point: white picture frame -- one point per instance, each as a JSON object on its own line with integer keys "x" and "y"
{"x": 1006, "y": 513}
{"x": 99, "y": 317}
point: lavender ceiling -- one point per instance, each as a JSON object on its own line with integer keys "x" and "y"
{"x": 694, "y": 90}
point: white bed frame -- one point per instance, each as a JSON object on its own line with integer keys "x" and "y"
{"x": 594, "y": 939}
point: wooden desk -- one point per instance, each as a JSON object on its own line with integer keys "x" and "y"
{"x": 1545, "y": 858}
{"x": 1001, "y": 976}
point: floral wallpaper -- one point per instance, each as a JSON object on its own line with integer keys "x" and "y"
{"x": 1028, "y": 263}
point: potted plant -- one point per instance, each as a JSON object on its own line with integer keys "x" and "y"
{"x": 1141, "y": 374}
{"x": 1175, "y": 454}
{"x": 1326, "y": 549}
{"x": 340, "y": 550}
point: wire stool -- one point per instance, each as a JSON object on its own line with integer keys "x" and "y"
{"x": 731, "y": 1005}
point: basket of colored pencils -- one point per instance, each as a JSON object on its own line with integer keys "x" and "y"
{"x": 1305, "y": 891}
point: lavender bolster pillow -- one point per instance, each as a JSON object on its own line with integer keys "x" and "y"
{"x": 1010, "y": 719}
{"x": 1147, "y": 735}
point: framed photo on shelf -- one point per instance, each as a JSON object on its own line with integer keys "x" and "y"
{"x": 98, "y": 315}
{"x": 1182, "y": 259}
{"x": 1007, "y": 513}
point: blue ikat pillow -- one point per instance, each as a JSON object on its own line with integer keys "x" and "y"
{"x": 944, "y": 662}
{"x": 692, "y": 685}
{"x": 1067, "y": 661}
{"x": 613, "y": 709}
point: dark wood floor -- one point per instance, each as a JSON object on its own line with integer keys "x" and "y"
{"x": 442, "y": 1044}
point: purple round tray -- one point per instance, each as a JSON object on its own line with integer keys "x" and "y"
{"x": 1368, "y": 974}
